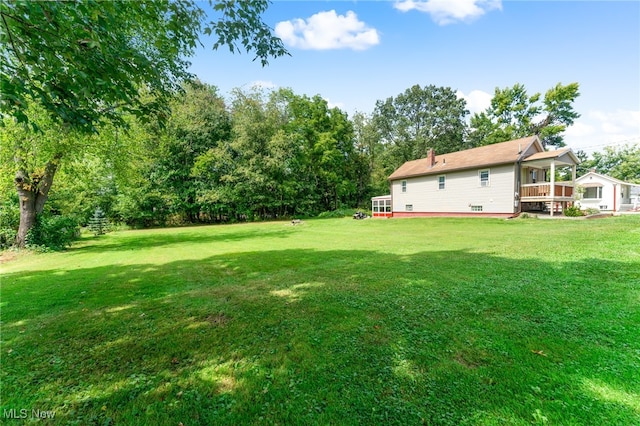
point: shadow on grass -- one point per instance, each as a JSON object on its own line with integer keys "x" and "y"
{"x": 144, "y": 239}
{"x": 326, "y": 337}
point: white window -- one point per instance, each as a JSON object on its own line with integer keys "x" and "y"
{"x": 441, "y": 182}
{"x": 404, "y": 185}
{"x": 381, "y": 206}
{"x": 594, "y": 192}
{"x": 484, "y": 177}
{"x": 476, "y": 208}
{"x": 408, "y": 207}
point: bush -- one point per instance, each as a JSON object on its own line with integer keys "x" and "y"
{"x": 573, "y": 211}
{"x": 526, "y": 215}
{"x": 141, "y": 210}
{"x": 337, "y": 213}
{"x": 591, "y": 211}
{"x": 9, "y": 222}
{"x": 53, "y": 232}
{"x": 7, "y": 237}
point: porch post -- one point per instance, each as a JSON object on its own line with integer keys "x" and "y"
{"x": 573, "y": 182}
{"x": 552, "y": 190}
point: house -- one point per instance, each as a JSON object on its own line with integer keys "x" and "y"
{"x": 499, "y": 180}
{"x": 605, "y": 193}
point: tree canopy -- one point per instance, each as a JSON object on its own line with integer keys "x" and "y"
{"x": 418, "y": 119}
{"x": 622, "y": 162}
{"x": 514, "y": 114}
{"x": 86, "y": 61}
{"x": 288, "y": 155}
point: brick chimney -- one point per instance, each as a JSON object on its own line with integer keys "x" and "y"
{"x": 431, "y": 157}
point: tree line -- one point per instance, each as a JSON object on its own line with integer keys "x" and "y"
{"x": 107, "y": 117}
{"x": 258, "y": 155}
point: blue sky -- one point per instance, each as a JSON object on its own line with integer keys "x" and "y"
{"x": 353, "y": 53}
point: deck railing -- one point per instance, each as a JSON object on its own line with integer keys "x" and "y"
{"x": 537, "y": 190}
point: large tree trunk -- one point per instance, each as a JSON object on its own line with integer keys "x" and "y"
{"x": 33, "y": 191}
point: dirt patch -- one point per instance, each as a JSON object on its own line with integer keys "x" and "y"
{"x": 460, "y": 359}
{"x": 8, "y": 256}
{"x": 598, "y": 216}
{"x": 471, "y": 360}
{"x": 218, "y": 320}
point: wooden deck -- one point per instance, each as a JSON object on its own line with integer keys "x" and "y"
{"x": 534, "y": 192}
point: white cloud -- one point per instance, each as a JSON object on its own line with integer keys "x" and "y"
{"x": 477, "y": 100}
{"x": 445, "y": 12}
{"x": 597, "y": 129}
{"x": 328, "y": 30}
{"x": 580, "y": 129}
{"x": 339, "y": 105}
{"x": 619, "y": 121}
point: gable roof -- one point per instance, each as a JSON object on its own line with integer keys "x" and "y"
{"x": 484, "y": 156}
{"x": 605, "y": 177}
{"x": 562, "y": 156}
{"x": 547, "y": 154}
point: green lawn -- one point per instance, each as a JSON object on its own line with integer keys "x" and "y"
{"x": 336, "y": 321}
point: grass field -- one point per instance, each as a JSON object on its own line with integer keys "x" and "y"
{"x": 336, "y": 321}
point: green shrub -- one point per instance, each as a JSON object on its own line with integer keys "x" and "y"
{"x": 7, "y": 237}
{"x": 140, "y": 209}
{"x": 343, "y": 212}
{"x": 53, "y": 232}
{"x": 9, "y": 222}
{"x": 591, "y": 211}
{"x": 573, "y": 211}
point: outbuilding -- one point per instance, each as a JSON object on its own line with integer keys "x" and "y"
{"x": 607, "y": 194}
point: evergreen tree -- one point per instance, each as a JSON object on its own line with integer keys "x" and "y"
{"x": 98, "y": 222}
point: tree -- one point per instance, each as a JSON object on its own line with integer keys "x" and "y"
{"x": 84, "y": 183}
{"x": 34, "y": 158}
{"x": 621, "y": 162}
{"x": 326, "y": 138}
{"x": 419, "y": 119}
{"x": 514, "y": 114}
{"x": 98, "y": 222}
{"x": 287, "y": 155}
{"x": 558, "y": 114}
{"x": 371, "y": 178}
{"x": 86, "y": 63}
{"x": 583, "y": 166}
{"x": 234, "y": 172}
{"x": 199, "y": 120}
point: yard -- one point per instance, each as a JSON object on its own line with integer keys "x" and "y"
{"x": 335, "y": 321}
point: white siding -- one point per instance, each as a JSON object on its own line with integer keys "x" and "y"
{"x": 462, "y": 190}
{"x": 606, "y": 203}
